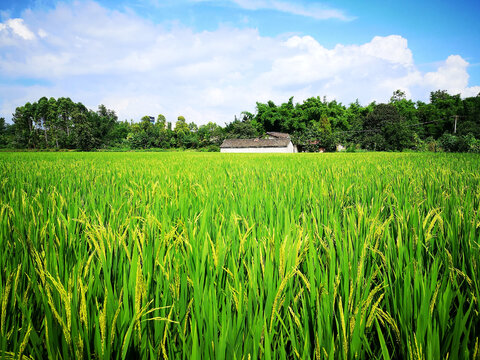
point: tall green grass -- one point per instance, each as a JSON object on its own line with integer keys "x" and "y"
{"x": 231, "y": 256}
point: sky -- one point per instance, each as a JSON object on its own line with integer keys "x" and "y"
{"x": 209, "y": 60}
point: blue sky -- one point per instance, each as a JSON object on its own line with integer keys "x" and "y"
{"x": 212, "y": 59}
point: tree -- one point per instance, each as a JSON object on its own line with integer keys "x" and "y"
{"x": 42, "y": 118}
{"x": 181, "y": 125}
{"x": 24, "y": 126}
{"x": 52, "y": 120}
{"x": 83, "y": 130}
{"x": 408, "y": 110}
{"x": 398, "y": 95}
{"x": 142, "y": 135}
{"x": 104, "y": 123}
{"x": 119, "y": 133}
{"x": 145, "y": 122}
{"x": 63, "y": 124}
{"x": 210, "y": 134}
{"x": 386, "y": 129}
{"x": 161, "y": 122}
{"x": 318, "y": 135}
{"x": 269, "y": 116}
{"x": 241, "y": 130}
{"x": 469, "y": 117}
{"x": 440, "y": 113}
{"x": 182, "y": 133}
{"x": 139, "y": 140}
{"x": 3, "y": 131}
{"x": 65, "y": 110}
{"x": 355, "y": 115}
{"x": 314, "y": 123}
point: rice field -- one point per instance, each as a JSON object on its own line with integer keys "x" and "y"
{"x": 231, "y": 256}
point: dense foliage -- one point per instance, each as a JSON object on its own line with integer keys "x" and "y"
{"x": 447, "y": 122}
{"x": 202, "y": 256}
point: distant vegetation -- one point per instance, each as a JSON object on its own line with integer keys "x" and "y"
{"x": 447, "y": 123}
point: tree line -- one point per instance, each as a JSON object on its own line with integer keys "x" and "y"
{"x": 447, "y": 122}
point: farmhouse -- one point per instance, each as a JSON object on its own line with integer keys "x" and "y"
{"x": 277, "y": 135}
{"x": 275, "y": 143}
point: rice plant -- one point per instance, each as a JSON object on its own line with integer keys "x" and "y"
{"x": 236, "y": 256}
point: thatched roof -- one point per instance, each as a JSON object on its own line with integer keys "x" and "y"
{"x": 254, "y": 143}
{"x": 278, "y": 135}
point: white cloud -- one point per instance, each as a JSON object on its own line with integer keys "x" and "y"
{"x": 315, "y": 11}
{"x": 42, "y": 33}
{"x": 18, "y": 28}
{"x": 136, "y": 67}
{"x": 452, "y": 74}
{"x": 393, "y": 48}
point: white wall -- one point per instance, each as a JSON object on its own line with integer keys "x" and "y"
{"x": 290, "y": 148}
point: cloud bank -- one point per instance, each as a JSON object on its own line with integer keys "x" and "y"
{"x": 136, "y": 67}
